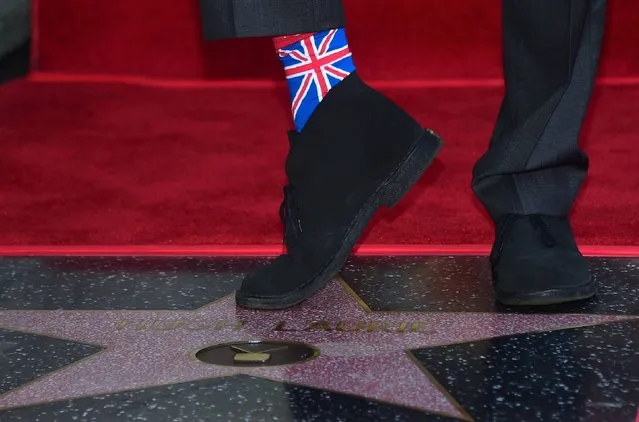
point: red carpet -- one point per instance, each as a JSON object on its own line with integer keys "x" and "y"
{"x": 116, "y": 164}
{"x": 391, "y": 40}
{"x": 108, "y": 164}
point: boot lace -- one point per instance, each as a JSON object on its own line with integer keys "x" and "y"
{"x": 539, "y": 225}
{"x": 290, "y": 216}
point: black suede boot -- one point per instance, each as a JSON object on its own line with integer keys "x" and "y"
{"x": 535, "y": 261}
{"x": 358, "y": 152}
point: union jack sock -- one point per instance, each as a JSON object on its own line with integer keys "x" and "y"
{"x": 314, "y": 64}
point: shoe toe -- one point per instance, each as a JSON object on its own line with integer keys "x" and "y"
{"x": 556, "y": 277}
{"x": 269, "y": 281}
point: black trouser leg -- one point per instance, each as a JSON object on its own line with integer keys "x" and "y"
{"x": 551, "y": 53}
{"x": 268, "y": 18}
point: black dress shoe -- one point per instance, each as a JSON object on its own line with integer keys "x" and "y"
{"x": 359, "y": 151}
{"x": 535, "y": 261}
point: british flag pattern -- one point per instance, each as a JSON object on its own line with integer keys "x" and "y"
{"x": 313, "y": 66}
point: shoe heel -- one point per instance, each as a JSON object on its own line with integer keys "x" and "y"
{"x": 411, "y": 169}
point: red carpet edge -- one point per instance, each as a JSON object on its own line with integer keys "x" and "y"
{"x": 274, "y": 250}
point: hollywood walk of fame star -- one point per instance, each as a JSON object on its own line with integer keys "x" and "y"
{"x": 362, "y": 353}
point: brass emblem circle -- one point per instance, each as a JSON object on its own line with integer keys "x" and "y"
{"x": 257, "y": 353}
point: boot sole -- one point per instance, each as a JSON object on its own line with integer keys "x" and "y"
{"x": 549, "y": 297}
{"x": 388, "y": 194}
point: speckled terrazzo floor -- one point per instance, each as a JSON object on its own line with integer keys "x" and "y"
{"x": 394, "y": 339}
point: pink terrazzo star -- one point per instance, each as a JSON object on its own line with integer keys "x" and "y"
{"x": 362, "y": 353}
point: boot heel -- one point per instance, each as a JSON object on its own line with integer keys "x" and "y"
{"x": 411, "y": 169}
